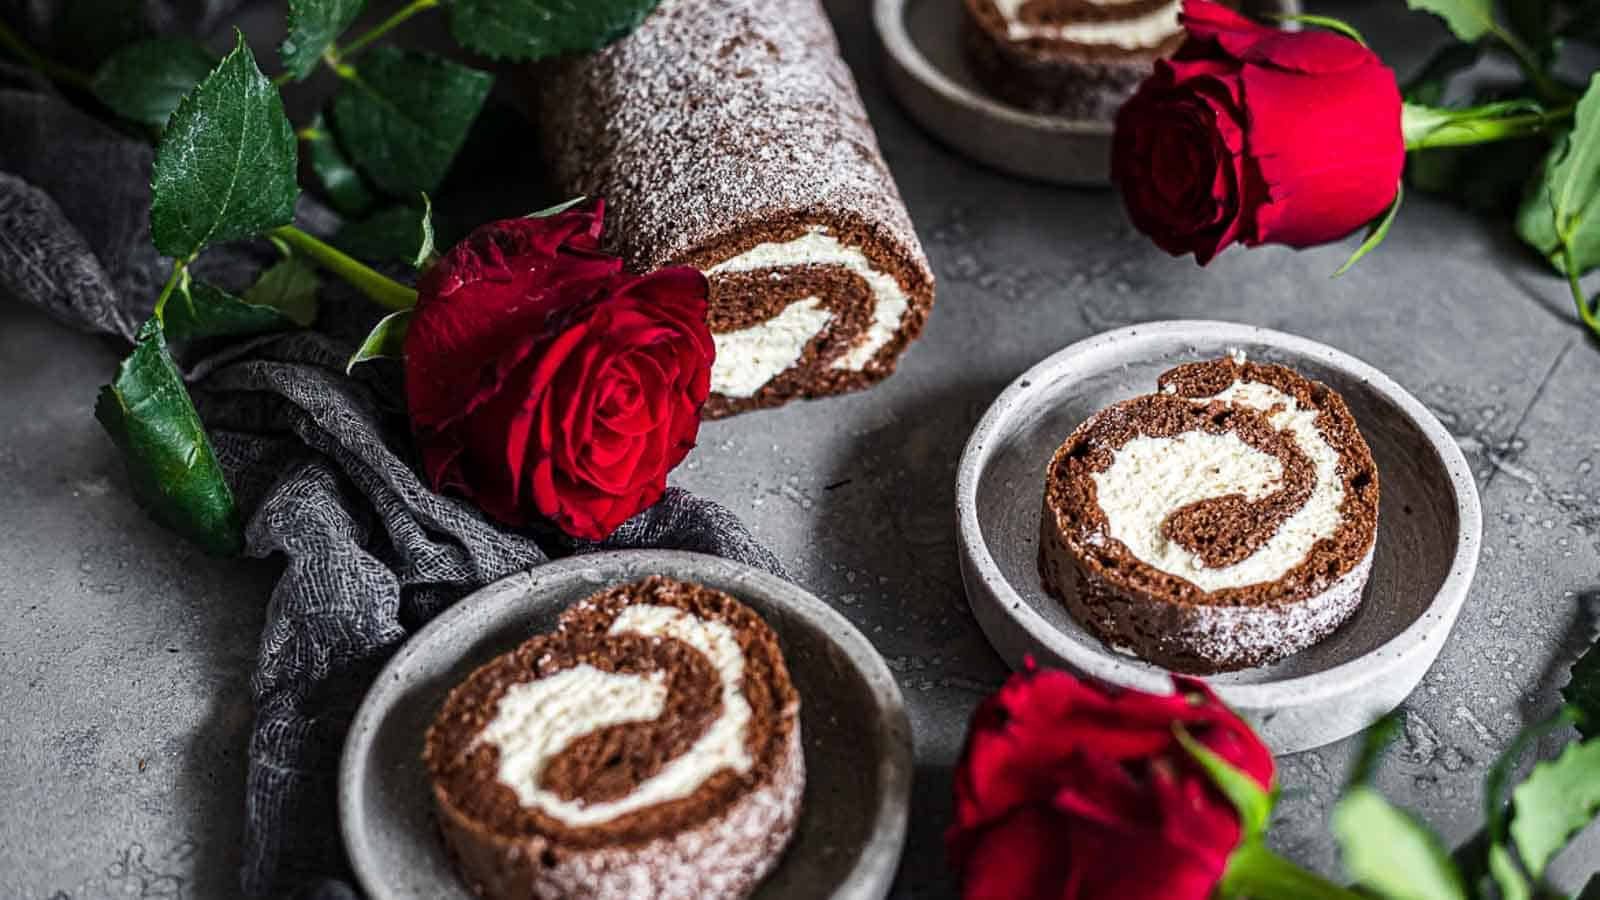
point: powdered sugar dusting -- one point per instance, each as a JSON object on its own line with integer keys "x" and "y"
{"x": 715, "y": 117}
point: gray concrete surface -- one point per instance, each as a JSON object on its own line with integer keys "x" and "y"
{"x": 124, "y": 655}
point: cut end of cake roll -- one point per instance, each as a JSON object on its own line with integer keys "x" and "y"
{"x": 648, "y": 748}
{"x": 813, "y": 306}
{"x": 1075, "y": 58}
{"x": 1225, "y": 522}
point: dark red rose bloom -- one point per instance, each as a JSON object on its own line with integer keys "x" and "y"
{"x": 1256, "y": 135}
{"x": 545, "y": 381}
{"x": 1069, "y": 791}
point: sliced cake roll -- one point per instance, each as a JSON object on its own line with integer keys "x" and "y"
{"x": 1225, "y": 522}
{"x": 728, "y": 135}
{"x": 1077, "y": 58}
{"x": 648, "y": 748}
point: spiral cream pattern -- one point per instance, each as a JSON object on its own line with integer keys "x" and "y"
{"x": 750, "y": 357}
{"x": 1150, "y": 478}
{"x": 538, "y": 719}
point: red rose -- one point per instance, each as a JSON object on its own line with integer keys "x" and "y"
{"x": 543, "y": 379}
{"x": 1256, "y": 135}
{"x": 1067, "y": 791}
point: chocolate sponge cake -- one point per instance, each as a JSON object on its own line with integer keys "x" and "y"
{"x": 728, "y": 135}
{"x": 1075, "y": 58}
{"x": 1225, "y": 522}
{"x": 647, "y": 748}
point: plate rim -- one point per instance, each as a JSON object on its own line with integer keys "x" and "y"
{"x": 874, "y": 872}
{"x": 929, "y": 96}
{"x": 1395, "y": 653}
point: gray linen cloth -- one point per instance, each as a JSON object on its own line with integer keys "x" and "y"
{"x": 321, "y": 463}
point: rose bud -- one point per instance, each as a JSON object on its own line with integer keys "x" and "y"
{"x": 542, "y": 380}
{"x": 1256, "y": 135}
{"x": 1070, "y": 791}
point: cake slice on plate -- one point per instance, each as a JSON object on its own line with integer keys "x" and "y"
{"x": 648, "y": 748}
{"x": 1075, "y": 58}
{"x": 1225, "y": 522}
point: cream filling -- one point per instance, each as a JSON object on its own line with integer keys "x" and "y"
{"x": 749, "y": 358}
{"x": 1138, "y": 33}
{"x": 1149, "y": 478}
{"x": 819, "y": 248}
{"x": 536, "y": 720}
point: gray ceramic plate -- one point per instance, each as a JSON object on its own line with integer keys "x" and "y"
{"x": 1428, "y": 530}
{"x": 857, "y": 737}
{"x": 922, "y": 48}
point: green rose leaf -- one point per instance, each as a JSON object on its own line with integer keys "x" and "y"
{"x": 172, "y": 469}
{"x": 557, "y": 209}
{"x": 1376, "y": 232}
{"x": 1507, "y": 877}
{"x": 1253, "y": 803}
{"x": 1468, "y": 19}
{"x": 387, "y": 340}
{"x": 1557, "y": 799}
{"x": 314, "y": 25}
{"x": 347, "y": 191}
{"x": 1560, "y": 216}
{"x": 403, "y": 115}
{"x": 290, "y": 287}
{"x": 535, "y": 29}
{"x": 144, "y": 82}
{"x": 1582, "y": 692}
{"x": 425, "y": 250}
{"x": 1388, "y": 851}
{"x": 225, "y": 167}
{"x": 198, "y": 310}
{"x": 391, "y": 234}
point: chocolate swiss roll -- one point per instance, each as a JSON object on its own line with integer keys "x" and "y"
{"x": 647, "y": 749}
{"x": 1225, "y": 522}
{"x": 728, "y": 135}
{"x": 1077, "y": 58}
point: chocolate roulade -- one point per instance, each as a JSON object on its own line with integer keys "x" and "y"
{"x": 1225, "y": 522}
{"x": 1077, "y": 58}
{"x": 648, "y": 748}
{"x": 728, "y": 135}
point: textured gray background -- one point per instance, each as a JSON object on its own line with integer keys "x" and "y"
{"x": 124, "y": 654}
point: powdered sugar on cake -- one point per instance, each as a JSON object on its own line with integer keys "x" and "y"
{"x": 707, "y": 86}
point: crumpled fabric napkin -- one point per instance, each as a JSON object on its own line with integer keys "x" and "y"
{"x": 321, "y": 463}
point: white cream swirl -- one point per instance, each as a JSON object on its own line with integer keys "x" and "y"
{"x": 1151, "y": 477}
{"x": 750, "y": 357}
{"x": 535, "y": 720}
{"x": 1140, "y": 32}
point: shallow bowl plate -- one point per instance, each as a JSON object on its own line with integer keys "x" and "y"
{"x": 921, "y": 42}
{"x": 857, "y": 736}
{"x": 1429, "y": 527}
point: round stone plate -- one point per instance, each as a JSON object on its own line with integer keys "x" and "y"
{"x": 922, "y": 48}
{"x": 857, "y": 736}
{"x": 1429, "y": 525}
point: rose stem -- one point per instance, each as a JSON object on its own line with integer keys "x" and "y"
{"x": 334, "y": 57}
{"x": 1589, "y": 315}
{"x": 1258, "y": 873}
{"x": 1457, "y": 128}
{"x": 382, "y": 28}
{"x": 384, "y": 291}
{"x": 47, "y": 67}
